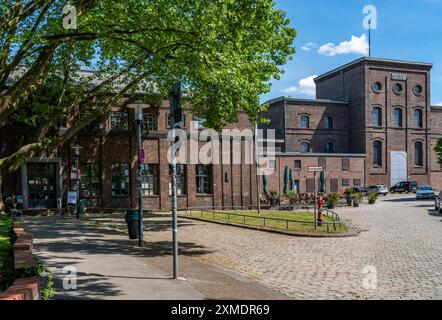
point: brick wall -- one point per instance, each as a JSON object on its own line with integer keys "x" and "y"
{"x": 334, "y": 171}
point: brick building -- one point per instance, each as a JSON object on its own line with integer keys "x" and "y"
{"x": 377, "y": 109}
{"x": 371, "y": 123}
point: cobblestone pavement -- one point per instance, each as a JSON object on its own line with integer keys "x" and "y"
{"x": 400, "y": 253}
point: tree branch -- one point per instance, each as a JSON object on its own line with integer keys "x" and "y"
{"x": 5, "y": 71}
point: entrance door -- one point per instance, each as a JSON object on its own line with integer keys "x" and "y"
{"x": 399, "y": 170}
{"x": 41, "y": 185}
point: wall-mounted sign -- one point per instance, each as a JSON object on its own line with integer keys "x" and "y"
{"x": 315, "y": 169}
{"x": 19, "y": 199}
{"x": 398, "y": 77}
{"x": 72, "y": 197}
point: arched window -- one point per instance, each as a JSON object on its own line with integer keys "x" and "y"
{"x": 397, "y": 121}
{"x": 305, "y": 147}
{"x": 418, "y": 119}
{"x": 376, "y": 117}
{"x": 377, "y": 153}
{"x": 305, "y": 122}
{"x": 328, "y": 122}
{"x": 329, "y": 147}
{"x": 418, "y": 154}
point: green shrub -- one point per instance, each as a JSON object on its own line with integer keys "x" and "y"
{"x": 272, "y": 194}
{"x": 372, "y": 197}
{"x": 349, "y": 192}
{"x": 332, "y": 198}
{"x": 291, "y": 194}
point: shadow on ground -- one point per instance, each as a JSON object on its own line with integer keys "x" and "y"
{"x": 65, "y": 241}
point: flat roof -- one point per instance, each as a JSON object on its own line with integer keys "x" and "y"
{"x": 298, "y": 100}
{"x": 312, "y": 154}
{"x": 375, "y": 60}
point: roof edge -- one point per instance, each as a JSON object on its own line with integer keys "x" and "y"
{"x": 366, "y": 59}
{"x": 302, "y": 100}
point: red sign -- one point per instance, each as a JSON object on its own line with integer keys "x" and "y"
{"x": 315, "y": 169}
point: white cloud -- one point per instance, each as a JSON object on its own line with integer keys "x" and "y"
{"x": 357, "y": 45}
{"x": 306, "y": 87}
{"x": 309, "y": 46}
{"x": 439, "y": 104}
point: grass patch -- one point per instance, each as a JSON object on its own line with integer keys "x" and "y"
{"x": 253, "y": 218}
{"x": 6, "y": 256}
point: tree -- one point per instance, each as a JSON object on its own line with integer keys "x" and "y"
{"x": 225, "y": 52}
{"x": 438, "y": 149}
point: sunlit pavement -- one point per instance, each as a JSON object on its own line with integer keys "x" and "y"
{"x": 399, "y": 256}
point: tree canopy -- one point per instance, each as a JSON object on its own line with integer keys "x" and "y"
{"x": 225, "y": 52}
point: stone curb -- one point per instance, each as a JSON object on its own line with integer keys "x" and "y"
{"x": 352, "y": 232}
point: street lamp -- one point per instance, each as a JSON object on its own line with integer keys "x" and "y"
{"x": 176, "y": 121}
{"x": 78, "y": 174}
{"x": 139, "y": 106}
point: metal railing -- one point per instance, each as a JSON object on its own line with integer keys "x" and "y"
{"x": 335, "y": 223}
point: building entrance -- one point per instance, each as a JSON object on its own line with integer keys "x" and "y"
{"x": 42, "y": 185}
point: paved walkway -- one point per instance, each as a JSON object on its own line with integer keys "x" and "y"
{"x": 109, "y": 266}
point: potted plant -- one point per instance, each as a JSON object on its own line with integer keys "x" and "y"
{"x": 292, "y": 196}
{"x": 331, "y": 199}
{"x": 348, "y": 193}
{"x": 357, "y": 199}
{"x": 372, "y": 197}
{"x": 273, "y": 197}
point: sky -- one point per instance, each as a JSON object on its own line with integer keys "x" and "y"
{"x": 331, "y": 33}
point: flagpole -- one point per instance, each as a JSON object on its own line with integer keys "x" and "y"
{"x": 369, "y": 38}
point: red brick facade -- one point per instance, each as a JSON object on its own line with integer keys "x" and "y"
{"x": 336, "y": 131}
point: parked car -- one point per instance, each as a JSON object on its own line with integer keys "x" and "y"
{"x": 404, "y": 186}
{"x": 362, "y": 190}
{"x": 438, "y": 203}
{"x": 425, "y": 192}
{"x": 379, "y": 189}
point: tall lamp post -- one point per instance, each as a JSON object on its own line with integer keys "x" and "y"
{"x": 139, "y": 106}
{"x": 78, "y": 175}
{"x": 176, "y": 122}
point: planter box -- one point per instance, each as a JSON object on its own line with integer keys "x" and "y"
{"x": 23, "y": 289}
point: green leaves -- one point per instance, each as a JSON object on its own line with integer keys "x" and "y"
{"x": 225, "y": 52}
{"x": 438, "y": 149}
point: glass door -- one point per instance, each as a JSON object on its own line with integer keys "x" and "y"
{"x": 41, "y": 185}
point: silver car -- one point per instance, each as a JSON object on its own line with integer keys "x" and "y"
{"x": 425, "y": 192}
{"x": 379, "y": 189}
{"x": 438, "y": 203}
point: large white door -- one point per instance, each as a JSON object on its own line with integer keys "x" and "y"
{"x": 398, "y": 167}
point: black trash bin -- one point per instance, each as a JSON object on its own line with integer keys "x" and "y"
{"x": 82, "y": 206}
{"x": 131, "y": 218}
